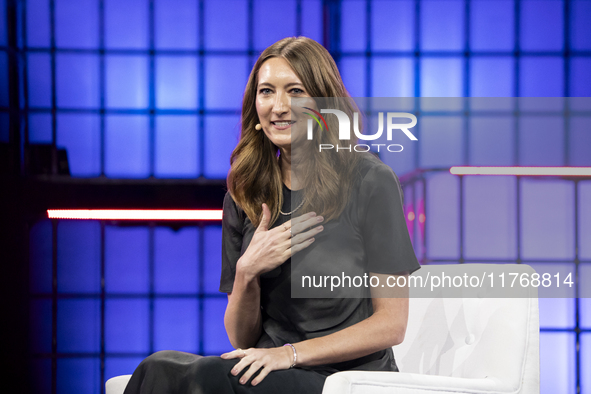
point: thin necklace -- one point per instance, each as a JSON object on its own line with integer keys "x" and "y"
{"x": 298, "y": 207}
{"x": 289, "y": 213}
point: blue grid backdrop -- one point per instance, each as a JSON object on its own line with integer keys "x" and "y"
{"x": 140, "y": 88}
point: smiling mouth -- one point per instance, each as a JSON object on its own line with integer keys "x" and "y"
{"x": 283, "y": 123}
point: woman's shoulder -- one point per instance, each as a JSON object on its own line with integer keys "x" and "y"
{"x": 232, "y": 213}
{"x": 372, "y": 169}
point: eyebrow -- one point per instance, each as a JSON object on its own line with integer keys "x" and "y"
{"x": 288, "y": 85}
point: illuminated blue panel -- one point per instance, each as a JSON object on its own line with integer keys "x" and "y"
{"x": 557, "y": 363}
{"x": 4, "y": 76}
{"x": 541, "y": 25}
{"x": 176, "y": 24}
{"x": 78, "y": 375}
{"x": 77, "y": 80}
{"x": 441, "y": 141}
{"x": 585, "y": 340}
{"x": 78, "y": 256}
{"x": 580, "y": 78}
{"x": 441, "y": 77}
{"x": 221, "y": 136}
{"x": 126, "y": 24}
{"x": 279, "y": 22}
{"x": 442, "y": 224}
{"x": 76, "y": 24}
{"x": 176, "y": 82}
{"x": 400, "y": 162}
{"x": 541, "y": 76}
{"x": 312, "y": 19}
{"x": 490, "y": 218}
{"x": 557, "y": 312}
{"x": 491, "y": 140}
{"x": 3, "y": 22}
{"x": 541, "y": 141}
{"x": 117, "y": 366}
{"x": 4, "y": 127}
{"x": 491, "y": 25}
{"x": 580, "y": 29}
{"x": 353, "y": 32}
{"x": 177, "y": 146}
{"x": 176, "y": 255}
{"x": 215, "y": 338}
{"x": 212, "y": 259}
{"x": 126, "y": 259}
{"x": 547, "y": 217}
{"x": 585, "y": 220}
{"x": 176, "y": 325}
{"x": 585, "y": 303}
{"x": 226, "y": 79}
{"x": 80, "y": 135}
{"x": 40, "y": 254}
{"x": 38, "y": 23}
{"x": 442, "y": 33}
{"x": 492, "y": 77}
{"x": 126, "y": 81}
{"x": 219, "y": 35}
{"x": 78, "y": 325}
{"x": 40, "y": 322}
{"x": 392, "y": 77}
{"x": 41, "y": 370}
{"x": 39, "y": 79}
{"x": 392, "y": 25}
{"x": 127, "y": 325}
{"x": 352, "y": 71}
{"x": 127, "y": 146}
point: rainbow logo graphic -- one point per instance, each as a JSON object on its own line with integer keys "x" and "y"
{"x": 316, "y": 119}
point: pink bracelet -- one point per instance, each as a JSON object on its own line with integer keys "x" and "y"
{"x": 295, "y": 355}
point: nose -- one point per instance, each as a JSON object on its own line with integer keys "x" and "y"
{"x": 281, "y": 105}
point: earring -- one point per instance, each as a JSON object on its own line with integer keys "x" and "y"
{"x": 258, "y": 126}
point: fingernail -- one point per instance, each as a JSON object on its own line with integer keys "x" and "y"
{"x": 242, "y": 381}
{"x": 312, "y": 214}
{"x": 311, "y": 240}
{"x": 234, "y": 372}
{"x": 320, "y": 228}
{"x": 254, "y": 383}
{"x": 320, "y": 218}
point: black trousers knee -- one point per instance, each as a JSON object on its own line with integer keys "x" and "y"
{"x": 174, "y": 372}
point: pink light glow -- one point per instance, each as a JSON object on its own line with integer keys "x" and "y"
{"x": 411, "y": 216}
{"x": 535, "y": 171}
{"x": 136, "y": 214}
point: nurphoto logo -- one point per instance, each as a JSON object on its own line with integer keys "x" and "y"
{"x": 345, "y": 129}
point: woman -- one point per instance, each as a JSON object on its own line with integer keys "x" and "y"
{"x": 286, "y": 344}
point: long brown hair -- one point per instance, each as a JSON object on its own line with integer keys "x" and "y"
{"x": 255, "y": 176}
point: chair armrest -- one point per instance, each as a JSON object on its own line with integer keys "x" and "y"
{"x": 374, "y": 382}
{"x": 117, "y": 384}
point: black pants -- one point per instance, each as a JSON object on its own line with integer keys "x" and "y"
{"x": 173, "y": 372}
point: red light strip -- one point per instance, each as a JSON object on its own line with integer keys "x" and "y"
{"x": 532, "y": 171}
{"x": 136, "y": 214}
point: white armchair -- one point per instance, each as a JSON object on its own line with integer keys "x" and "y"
{"x": 459, "y": 345}
{"x": 452, "y": 345}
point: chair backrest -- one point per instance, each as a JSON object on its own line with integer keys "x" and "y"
{"x": 474, "y": 337}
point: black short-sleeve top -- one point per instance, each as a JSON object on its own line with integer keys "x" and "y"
{"x": 375, "y": 212}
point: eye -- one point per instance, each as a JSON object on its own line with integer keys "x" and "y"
{"x": 265, "y": 91}
{"x": 297, "y": 91}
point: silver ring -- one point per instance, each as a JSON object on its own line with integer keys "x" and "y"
{"x": 290, "y": 235}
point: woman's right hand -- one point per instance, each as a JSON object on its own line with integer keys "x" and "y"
{"x": 269, "y": 249}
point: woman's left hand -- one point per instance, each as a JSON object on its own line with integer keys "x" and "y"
{"x": 253, "y": 359}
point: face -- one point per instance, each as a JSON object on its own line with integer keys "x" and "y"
{"x": 277, "y": 85}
